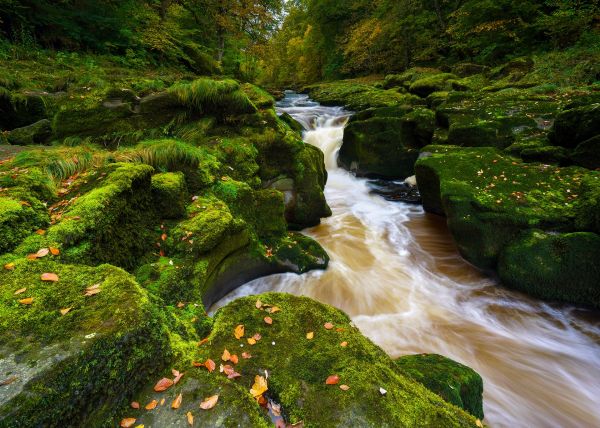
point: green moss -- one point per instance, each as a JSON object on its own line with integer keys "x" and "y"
{"x": 259, "y": 97}
{"x": 18, "y": 219}
{"x": 587, "y": 153}
{"x": 454, "y": 382}
{"x": 430, "y": 84}
{"x": 576, "y": 125}
{"x": 293, "y": 123}
{"x": 82, "y": 365}
{"x": 170, "y": 194}
{"x": 587, "y": 208}
{"x": 551, "y": 266}
{"x": 298, "y": 367}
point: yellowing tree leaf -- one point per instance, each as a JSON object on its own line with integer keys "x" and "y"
{"x": 268, "y": 320}
{"x": 190, "y": 418}
{"x": 163, "y": 384}
{"x": 42, "y": 252}
{"x": 54, "y": 251}
{"x": 26, "y": 301}
{"x": 332, "y": 380}
{"x": 9, "y": 266}
{"x": 177, "y": 402}
{"x": 92, "y": 289}
{"x": 310, "y": 335}
{"x": 226, "y": 355}
{"x": 127, "y": 422}
{"x": 50, "y": 277}
{"x": 20, "y": 290}
{"x": 239, "y": 331}
{"x": 274, "y": 309}
{"x": 209, "y": 402}
{"x": 259, "y": 387}
{"x": 152, "y": 405}
{"x": 251, "y": 341}
{"x": 65, "y": 311}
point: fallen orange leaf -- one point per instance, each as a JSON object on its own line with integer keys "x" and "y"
{"x": 268, "y": 320}
{"x": 257, "y": 336}
{"x": 54, "y": 251}
{"x": 177, "y": 402}
{"x": 344, "y": 344}
{"x": 20, "y": 290}
{"x": 328, "y": 325}
{"x": 210, "y": 365}
{"x": 226, "y": 355}
{"x": 310, "y": 335}
{"x": 203, "y": 341}
{"x": 92, "y": 289}
{"x": 9, "y": 266}
{"x": 274, "y": 309}
{"x": 40, "y": 232}
{"x": 246, "y": 355}
{"x": 163, "y": 237}
{"x": 251, "y": 341}
{"x": 190, "y": 418}
{"x": 209, "y": 402}
{"x": 234, "y": 359}
{"x": 177, "y": 378}
{"x": 32, "y": 256}
{"x": 332, "y": 380}
{"x": 260, "y": 386}
{"x": 51, "y": 277}
{"x": 238, "y": 332}
{"x": 65, "y": 311}
{"x": 230, "y": 371}
{"x": 26, "y": 301}
{"x": 135, "y": 405}
{"x": 127, "y": 422}
{"x": 163, "y": 384}
{"x": 258, "y": 304}
{"x": 344, "y": 387}
{"x": 152, "y": 405}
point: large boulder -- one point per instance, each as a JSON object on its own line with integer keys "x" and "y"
{"x": 428, "y": 85}
{"x": 386, "y": 146}
{"x": 454, "y": 382}
{"x": 18, "y": 110}
{"x": 36, "y": 133}
{"x": 587, "y": 153}
{"x": 18, "y": 219}
{"x": 295, "y": 369}
{"x": 576, "y": 125}
{"x": 73, "y": 356}
{"x": 170, "y": 193}
{"x": 554, "y": 266}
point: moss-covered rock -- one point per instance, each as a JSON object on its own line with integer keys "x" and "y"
{"x": 587, "y": 153}
{"x": 552, "y": 266}
{"x": 19, "y": 110}
{"x": 293, "y": 123}
{"x": 297, "y": 368}
{"x": 18, "y": 219}
{"x": 36, "y": 133}
{"x": 454, "y": 382}
{"x": 489, "y": 197}
{"x": 170, "y": 194}
{"x": 386, "y": 146}
{"x": 81, "y": 365}
{"x": 546, "y": 154}
{"x": 428, "y": 85}
{"x": 576, "y": 125}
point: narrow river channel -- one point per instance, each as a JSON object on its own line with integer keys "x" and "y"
{"x": 395, "y": 271}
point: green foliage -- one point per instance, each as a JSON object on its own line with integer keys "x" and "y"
{"x": 60, "y": 162}
{"x": 164, "y": 155}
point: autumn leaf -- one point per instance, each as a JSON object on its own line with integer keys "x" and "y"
{"x": 177, "y": 375}
{"x": 230, "y": 371}
{"x": 92, "y": 289}
{"x": 54, "y": 251}
{"x": 127, "y": 422}
{"x": 209, "y": 402}
{"x": 152, "y": 405}
{"x": 180, "y": 305}
{"x": 344, "y": 387}
{"x": 251, "y": 341}
{"x": 344, "y": 344}
{"x": 259, "y": 387}
{"x": 163, "y": 237}
{"x": 478, "y": 423}
{"x": 210, "y": 365}
{"x": 42, "y": 252}
{"x": 328, "y": 326}
{"x": 163, "y": 384}
{"x": 135, "y": 405}
{"x": 190, "y": 418}
{"x": 332, "y": 380}
{"x": 234, "y": 359}
{"x": 177, "y": 402}
{"x": 310, "y": 335}
{"x": 65, "y": 311}
{"x": 32, "y": 256}
{"x": 268, "y": 320}
{"x": 226, "y": 355}
{"x": 40, "y": 232}
{"x": 258, "y": 304}
{"x": 257, "y": 336}
{"x": 50, "y": 277}
{"x": 162, "y": 401}
{"x": 26, "y": 301}
{"x": 20, "y": 290}
{"x": 274, "y": 309}
{"x": 203, "y": 341}
{"x": 238, "y": 332}
{"x": 9, "y": 266}
{"x": 246, "y": 355}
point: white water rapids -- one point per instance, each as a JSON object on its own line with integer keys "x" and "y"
{"x": 396, "y": 272}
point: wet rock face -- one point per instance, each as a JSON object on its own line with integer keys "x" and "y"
{"x": 574, "y": 126}
{"x": 36, "y": 133}
{"x": 395, "y": 191}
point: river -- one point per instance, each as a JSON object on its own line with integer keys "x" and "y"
{"x": 395, "y": 270}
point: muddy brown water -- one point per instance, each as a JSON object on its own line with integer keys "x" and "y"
{"x": 396, "y": 271}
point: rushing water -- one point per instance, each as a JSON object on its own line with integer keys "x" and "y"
{"x": 396, "y": 272}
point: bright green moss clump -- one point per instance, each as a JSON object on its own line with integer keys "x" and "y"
{"x": 83, "y": 365}
{"x": 170, "y": 193}
{"x": 560, "y": 267}
{"x": 454, "y": 382}
{"x": 18, "y": 219}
